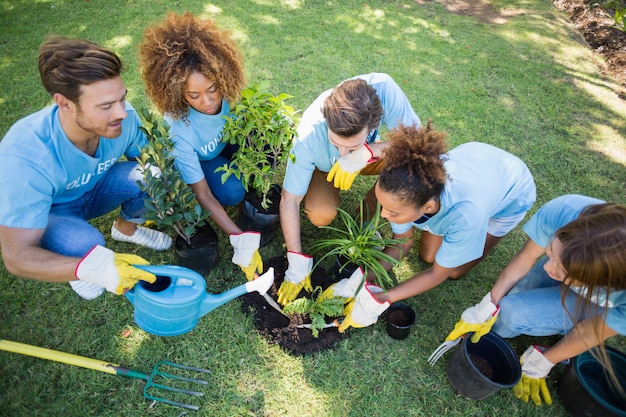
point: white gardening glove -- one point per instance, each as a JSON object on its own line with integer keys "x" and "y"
{"x": 246, "y": 253}
{"x": 347, "y": 287}
{"x": 478, "y": 319}
{"x": 364, "y": 309}
{"x": 297, "y": 276}
{"x": 113, "y": 271}
{"x": 345, "y": 170}
{"x": 535, "y": 368}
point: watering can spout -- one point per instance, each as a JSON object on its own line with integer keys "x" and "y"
{"x": 261, "y": 285}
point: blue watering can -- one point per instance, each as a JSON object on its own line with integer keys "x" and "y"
{"x": 178, "y": 299}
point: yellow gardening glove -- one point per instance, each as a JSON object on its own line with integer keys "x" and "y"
{"x": 113, "y": 271}
{"x": 478, "y": 319}
{"x": 297, "y": 276}
{"x": 364, "y": 309}
{"x": 246, "y": 253}
{"x": 345, "y": 170}
{"x": 535, "y": 368}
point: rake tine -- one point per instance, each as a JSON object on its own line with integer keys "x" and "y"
{"x": 170, "y": 402}
{"x": 178, "y": 390}
{"x": 183, "y": 378}
{"x": 156, "y": 372}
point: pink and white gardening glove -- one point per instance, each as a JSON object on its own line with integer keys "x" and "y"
{"x": 535, "y": 368}
{"x": 364, "y": 309}
{"x": 297, "y": 276}
{"x": 478, "y": 319}
{"x": 347, "y": 287}
{"x": 345, "y": 170}
{"x": 113, "y": 271}
{"x": 246, "y": 253}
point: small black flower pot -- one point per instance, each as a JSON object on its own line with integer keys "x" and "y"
{"x": 254, "y": 217}
{"x": 201, "y": 254}
{"x": 343, "y": 268}
{"x": 400, "y": 319}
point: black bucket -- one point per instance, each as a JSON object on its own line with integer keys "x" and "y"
{"x": 585, "y": 390}
{"x": 478, "y": 370}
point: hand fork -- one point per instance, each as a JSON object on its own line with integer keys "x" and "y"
{"x": 443, "y": 348}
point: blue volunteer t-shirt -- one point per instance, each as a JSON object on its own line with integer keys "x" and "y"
{"x": 483, "y": 182}
{"x": 557, "y": 213}
{"x": 312, "y": 149}
{"x": 197, "y": 139}
{"x": 39, "y": 166}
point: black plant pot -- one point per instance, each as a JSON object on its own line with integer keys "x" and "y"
{"x": 478, "y": 370}
{"x": 343, "y": 268}
{"x": 585, "y": 389}
{"x": 400, "y": 318}
{"x": 254, "y": 217}
{"x": 201, "y": 254}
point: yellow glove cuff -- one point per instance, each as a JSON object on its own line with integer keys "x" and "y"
{"x": 256, "y": 266}
{"x": 129, "y": 275}
{"x": 479, "y": 329}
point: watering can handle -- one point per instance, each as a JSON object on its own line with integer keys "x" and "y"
{"x": 174, "y": 271}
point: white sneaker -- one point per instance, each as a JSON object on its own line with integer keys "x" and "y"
{"x": 86, "y": 290}
{"x": 143, "y": 236}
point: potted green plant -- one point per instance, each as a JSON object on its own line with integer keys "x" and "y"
{"x": 172, "y": 203}
{"x": 357, "y": 243}
{"x": 263, "y": 126}
{"x": 316, "y": 308}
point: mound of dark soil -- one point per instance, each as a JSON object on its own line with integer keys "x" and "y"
{"x": 282, "y": 330}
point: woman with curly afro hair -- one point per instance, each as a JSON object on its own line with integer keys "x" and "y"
{"x": 463, "y": 201}
{"x": 193, "y": 72}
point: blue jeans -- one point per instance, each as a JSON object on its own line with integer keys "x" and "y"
{"x": 231, "y": 192}
{"x": 69, "y": 232}
{"x": 533, "y": 307}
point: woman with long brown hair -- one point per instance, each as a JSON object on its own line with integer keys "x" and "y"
{"x": 577, "y": 290}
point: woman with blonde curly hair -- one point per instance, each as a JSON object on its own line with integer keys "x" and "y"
{"x": 193, "y": 72}
{"x": 463, "y": 201}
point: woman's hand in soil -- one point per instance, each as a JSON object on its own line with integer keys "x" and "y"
{"x": 364, "y": 309}
{"x": 347, "y": 287}
{"x": 113, "y": 271}
{"x": 246, "y": 253}
{"x": 297, "y": 276}
{"x": 535, "y": 368}
{"x": 478, "y": 319}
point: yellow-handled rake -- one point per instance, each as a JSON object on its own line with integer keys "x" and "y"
{"x": 158, "y": 372}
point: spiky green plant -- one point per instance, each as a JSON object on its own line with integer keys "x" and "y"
{"x": 359, "y": 242}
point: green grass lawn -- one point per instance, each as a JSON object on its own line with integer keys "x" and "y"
{"x": 530, "y": 86}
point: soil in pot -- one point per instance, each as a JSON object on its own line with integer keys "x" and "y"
{"x": 201, "y": 254}
{"x": 253, "y": 216}
{"x": 282, "y": 330}
{"x": 400, "y": 318}
{"x": 482, "y": 365}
